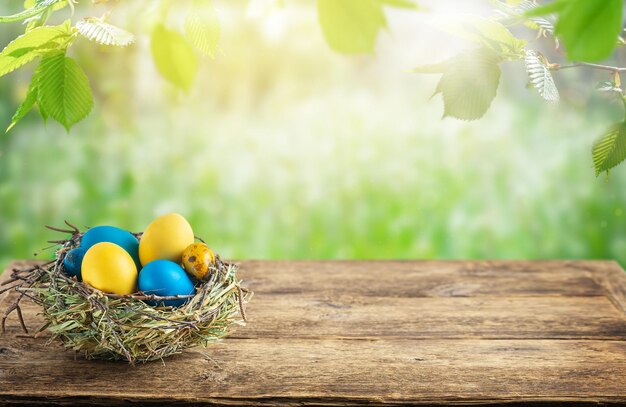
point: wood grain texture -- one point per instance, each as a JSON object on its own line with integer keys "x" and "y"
{"x": 375, "y": 333}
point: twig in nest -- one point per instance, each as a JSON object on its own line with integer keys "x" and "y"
{"x": 21, "y": 317}
{"x": 242, "y": 309}
{"x": 14, "y": 307}
{"x": 60, "y": 230}
{"x": 74, "y": 228}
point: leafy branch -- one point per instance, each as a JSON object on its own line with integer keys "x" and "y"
{"x": 60, "y": 88}
{"x": 349, "y": 26}
{"x": 584, "y": 31}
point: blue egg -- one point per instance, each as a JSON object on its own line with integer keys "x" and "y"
{"x": 165, "y": 278}
{"x": 72, "y": 262}
{"x": 113, "y": 235}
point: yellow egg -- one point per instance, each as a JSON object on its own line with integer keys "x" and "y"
{"x": 165, "y": 239}
{"x": 108, "y": 267}
{"x": 197, "y": 259}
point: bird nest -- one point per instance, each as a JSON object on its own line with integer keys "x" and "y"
{"x": 127, "y": 327}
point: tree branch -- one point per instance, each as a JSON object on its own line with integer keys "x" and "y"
{"x": 557, "y": 67}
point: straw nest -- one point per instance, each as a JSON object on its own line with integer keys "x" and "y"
{"x": 108, "y": 326}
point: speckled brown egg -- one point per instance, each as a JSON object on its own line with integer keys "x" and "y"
{"x": 197, "y": 260}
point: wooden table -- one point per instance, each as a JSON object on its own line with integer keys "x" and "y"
{"x": 375, "y": 333}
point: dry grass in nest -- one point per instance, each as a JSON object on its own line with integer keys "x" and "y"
{"x": 124, "y": 327}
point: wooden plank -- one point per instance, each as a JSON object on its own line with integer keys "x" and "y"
{"x": 382, "y": 278}
{"x": 331, "y": 371}
{"x": 347, "y": 316}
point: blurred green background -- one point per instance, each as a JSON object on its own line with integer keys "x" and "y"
{"x": 285, "y": 149}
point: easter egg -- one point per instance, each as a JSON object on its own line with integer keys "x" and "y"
{"x": 108, "y": 267}
{"x": 111, "y": 234}
{"x": 165, "y": 239}
{"x": 165, "y": 278}
{"x": 197, "y": 259}
{"x": 72, "y": 262}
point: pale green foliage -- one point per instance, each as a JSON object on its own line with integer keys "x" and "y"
{"x": 33, "y": 44}
{"x": 468, "y": 84}
{"x": 484, "y": 32}
{"x": 202, "y": 27}
{"x": 540, "y": 76}
{"x": 103, "y": 33}
{"x": 63, "y": 90}
{"x": 174, "y": 57}
{"x": 588, "y": 28}
{"x": 351, "y": 26}
{"x": 610, "y": 149}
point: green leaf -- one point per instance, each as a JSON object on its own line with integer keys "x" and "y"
{"x": 26, "y": 105}
{"x": 610, "y": 149}
{"x": 469, "y": 83}
{"x": 44, "y": 114}
{"x": 63, "y": 90}
{"x": 540, "y": 76}
{"x": 33, "y": 44}
{"x": 589, "y": 29}
{"x": 32, "y": 97}
{"x": 35, "y": 82}
{"x": 484, "y": 32}
{"x": 351, "y": 26}
{"x": 103, "y": 33}
{"x": 174, "y": 57}
{"x": 202, "y": 27}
